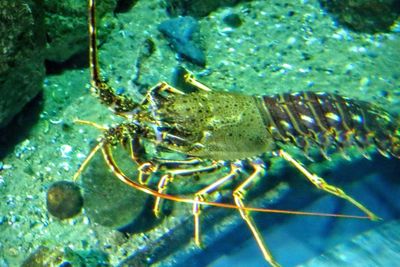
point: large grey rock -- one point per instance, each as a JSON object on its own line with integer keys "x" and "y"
{"x": 110, "y": 202}
{"x": 180, "y": 32}
{"x": 22, "y": 45}
{"x": 32, "y": 31}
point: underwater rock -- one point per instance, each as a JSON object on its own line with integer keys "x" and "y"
{"x": 197, "y": 8}
{"x": 370, "y": 16}
{"x": 180, "y": 32}
{"x": 85, "y": 258}
{"x": 66, "y": 26}
{"x": 64, "y": 200}
{"x": 110, "y": 202}
{"x": 32, "y": 31}
{"x": 43, "y": 256}
{"x": 22, "y": 44}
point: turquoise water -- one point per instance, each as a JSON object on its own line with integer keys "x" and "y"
{"x": 277, "y": 48}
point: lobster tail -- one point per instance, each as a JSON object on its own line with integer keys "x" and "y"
{"x": 395, "y": 148}
{"x": 385, "y": 131}
{"x": 329, "y": 120}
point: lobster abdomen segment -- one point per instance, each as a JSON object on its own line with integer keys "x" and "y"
{"x": 325, "y": 120}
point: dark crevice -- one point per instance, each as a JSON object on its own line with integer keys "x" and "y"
{"x": 19, "y": 128}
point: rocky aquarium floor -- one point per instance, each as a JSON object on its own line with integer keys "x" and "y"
{"x": 274, "y": 47}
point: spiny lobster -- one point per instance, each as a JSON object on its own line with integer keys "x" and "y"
{"x": 212, "y": 130}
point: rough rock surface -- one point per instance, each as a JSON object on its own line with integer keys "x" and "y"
{"x": 66, "y": 26}
{"x": 197, "y": 8}
{"x": 369, "y": 16}
{"x": 21, "y": 62}
{"x": 32, "y": 31}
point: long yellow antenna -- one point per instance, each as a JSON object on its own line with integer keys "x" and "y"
{"x": 93, "y": 61}
{"x": 105, "y": 93}
{"x": 107, "y": 154}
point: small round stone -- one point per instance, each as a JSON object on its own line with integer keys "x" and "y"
{"x": 64, "y": 200}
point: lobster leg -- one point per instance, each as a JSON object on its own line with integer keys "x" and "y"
{"x": 162, "y": 186}
{"x": 166, "y": 179}
{"x": 200, "y": 196}
{"x": 323, "y": 185}
{"x": 189, "y": 161}
{"x": 209, "y": 168}
{"x": 92, "y": 152}
{"x": 239, "y": 194}
{"x": 146, "y": 169}
{"x": 189, "y": 78}
{"x": 87, "y": 160}
{"x": 156, "y": 91}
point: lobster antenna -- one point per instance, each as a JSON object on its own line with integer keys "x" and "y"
{"x": 93, "y": 61}
{"x": 106, "y": 94}
{"x": 107, "y": 154}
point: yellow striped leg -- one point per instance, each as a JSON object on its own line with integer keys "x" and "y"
{"x": 189, "y": 78}
{"x": 145, "y": 169}
{"x": 210, "y": 168}
{"x": 87, "y": 160}
{"x": 162, "y": 186}
{"x": 166, "y": 179}
{"x": 239, "y": 194}
{"x": 200, "y": 196}
{"x": 188, "y": 161}
{"x": 158, "y": 89}
{"x": 323, "y": 185}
